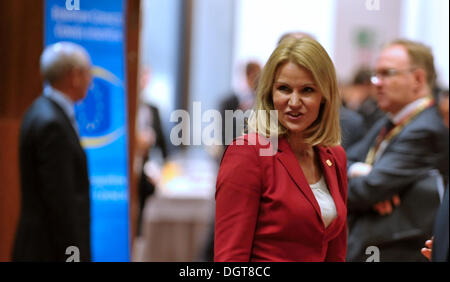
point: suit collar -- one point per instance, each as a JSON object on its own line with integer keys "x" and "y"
{"x": 62, "y": 114}
{"x": 61, "y": 99}
{"x": 405, "y": 111}
{"x": 65, "y": 103}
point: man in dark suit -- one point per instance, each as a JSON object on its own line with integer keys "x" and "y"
{"x": 239, "y": 101}
{"x": 441, "y": 226}
{"x": 437, "y": 248}
{"x": 55, "y": 208}
{"x": 394, "y": 157}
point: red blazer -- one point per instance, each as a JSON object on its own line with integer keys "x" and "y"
{"x": 266, "y": 210}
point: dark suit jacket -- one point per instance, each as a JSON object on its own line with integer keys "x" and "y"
{"x": 266, "y": 211}
{"x": 55, "y": 208}
{"x": 229, "y": 103}
{"x": 146, "y": 188}
{"x": 420, "y": 147}
{"x": 160, "y": 142}
{"x": 441, "y": 232}
{"x": 352, "y": 127}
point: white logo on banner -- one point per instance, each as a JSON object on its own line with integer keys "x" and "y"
{"x": 74, "y": 6}
{"x": 373, "y": 5}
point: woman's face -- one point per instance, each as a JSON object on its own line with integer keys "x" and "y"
{"x": 296, "y": 97}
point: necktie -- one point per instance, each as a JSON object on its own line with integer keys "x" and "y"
{"x": 384, "y": 131}
{"x": 371, "y": 155}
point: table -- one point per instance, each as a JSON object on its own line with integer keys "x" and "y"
{"x": 177, "y": 219}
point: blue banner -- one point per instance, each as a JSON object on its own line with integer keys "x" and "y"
{"x": 99, "y": 27}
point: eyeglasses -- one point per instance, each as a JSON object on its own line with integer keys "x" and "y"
{"x": 387, "y": 73}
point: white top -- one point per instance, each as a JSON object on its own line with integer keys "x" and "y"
{"x": 325, "y": 201}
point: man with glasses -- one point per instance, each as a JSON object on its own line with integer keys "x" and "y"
{"x": 397, "y": 154}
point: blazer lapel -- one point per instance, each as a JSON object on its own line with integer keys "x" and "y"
{"x": 328, "y": 163}
{"x": 290, "y": 163}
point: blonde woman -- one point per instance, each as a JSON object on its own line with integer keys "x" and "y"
{"x": 289, "y": 206}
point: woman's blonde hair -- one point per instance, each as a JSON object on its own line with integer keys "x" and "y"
{"x": 309, "y": 54}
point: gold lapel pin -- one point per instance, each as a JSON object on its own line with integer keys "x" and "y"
{"x": 329, "y": 163}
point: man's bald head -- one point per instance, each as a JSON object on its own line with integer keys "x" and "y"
{"x": 60, "y": 58}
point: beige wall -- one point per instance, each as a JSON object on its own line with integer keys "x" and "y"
{"x": 352, "y": 16}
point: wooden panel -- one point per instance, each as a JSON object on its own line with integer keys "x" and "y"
{"x": 132, "y": 50}
{"x": 10, "y": 190}
{"x": 21, "y": 37}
